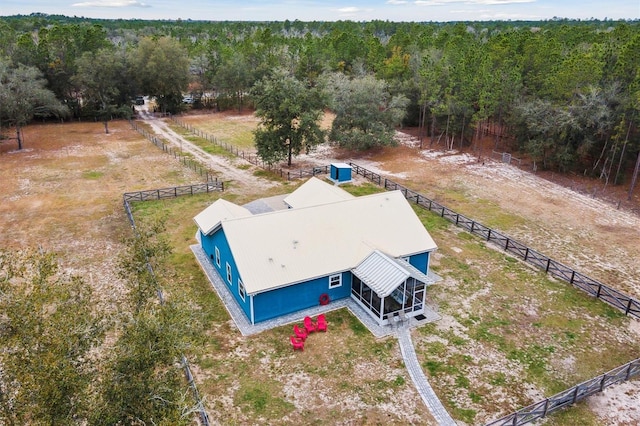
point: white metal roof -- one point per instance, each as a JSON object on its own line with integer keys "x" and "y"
{"x": 314, "y": 192}
{"x": 276, "y": 249}
{"x": 384, "y": 274}
{"x": 341, "y": 165}
{"x": 211, "y": 217}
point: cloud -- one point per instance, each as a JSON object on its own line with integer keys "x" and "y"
{"x": 469, "y": 2}
{"x": 111, "y": 3}
{"x": 349, "y": 10}
{"x": 397, "y": 2}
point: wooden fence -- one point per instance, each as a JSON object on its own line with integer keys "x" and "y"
{"x": 613, "y": 297}
{"x": 570, "y": 396}
{"x": 252, "y": 157}
{"x": 158, "y": 194}
{"x": 173, "y": 192}
{"x": 185, "y": 160}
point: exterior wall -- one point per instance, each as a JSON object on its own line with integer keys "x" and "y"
{"x": 218, "y": 239}
{"x": 420, "y": 262}
{"x": 290, "y": 299}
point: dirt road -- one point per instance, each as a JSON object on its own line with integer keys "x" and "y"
{"x": 227, "y": 168}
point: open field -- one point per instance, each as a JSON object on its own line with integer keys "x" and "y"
{"x": 63, "y": 193}
{"x": 508, "y": 336}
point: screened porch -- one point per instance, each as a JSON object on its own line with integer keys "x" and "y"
{"x": 389, "y": 289}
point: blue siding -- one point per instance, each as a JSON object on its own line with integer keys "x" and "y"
{"x": 420, "y": 262}
{"x": 340, "y": 174}
{"x": 290, "y": 299}
{"x": 219, "y": 239}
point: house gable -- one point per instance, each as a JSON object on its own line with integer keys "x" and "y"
{"x": 210, "y": 218}
{"x": 314, "y": 192}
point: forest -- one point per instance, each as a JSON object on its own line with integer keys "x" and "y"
{"x": 566, "y": 93}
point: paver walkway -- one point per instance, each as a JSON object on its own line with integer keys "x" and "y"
{"x": 420, "y": 380}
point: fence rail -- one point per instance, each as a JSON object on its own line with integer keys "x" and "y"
{"x": 157, "y": 194}
{"x": 611, "y": 296}
{"x": 251, "y": 157}
{"x": 569, "y": 397}
{"x": 173, "y": 192}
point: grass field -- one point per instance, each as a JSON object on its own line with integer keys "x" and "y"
{"x": 509, "y": 335}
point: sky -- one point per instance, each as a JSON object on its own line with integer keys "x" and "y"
{"x": 330, "y": 10}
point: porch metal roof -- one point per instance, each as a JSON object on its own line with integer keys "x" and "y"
{"x": 383, "y": 274}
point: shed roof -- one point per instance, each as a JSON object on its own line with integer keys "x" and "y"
{"x": 211, "y": 217}
{"x": 384, "y": 274}
{"x": 314, "y": 192}
{"x": 277, "y": 249}
{"x": 341, "y": 165}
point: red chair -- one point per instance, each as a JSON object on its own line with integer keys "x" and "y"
{"x": 321, "y": 323}
{"x": 297, "y": 343}
{"x": 309, "y": 325}
{"x": 301, "y": 333}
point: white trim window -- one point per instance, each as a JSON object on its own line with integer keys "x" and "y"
{"x": 335, "y": 281}
{"x": 229, "y": 276}
{"x": 217, "y": 256}
{"x": 241, "y": 291}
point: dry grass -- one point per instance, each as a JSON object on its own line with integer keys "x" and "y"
{"x": 64, "y": 190}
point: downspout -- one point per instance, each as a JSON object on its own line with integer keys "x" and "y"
{"x": 253, "y": 321}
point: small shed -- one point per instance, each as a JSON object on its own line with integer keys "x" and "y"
{"x": 340, "y": 173}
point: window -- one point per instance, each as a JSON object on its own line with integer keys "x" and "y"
{"x": 335, "y": 281}
{"x": 241, "y": 290}
{"x": 217, "y": 257}
{"x": 229, "y": 273}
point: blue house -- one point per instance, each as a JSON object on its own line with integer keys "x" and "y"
{"x": 326, "y": 246}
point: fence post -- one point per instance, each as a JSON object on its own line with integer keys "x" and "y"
{"x": 526, "y": 254}
{"x": 506, "y": 245}
{"x": 604, "y": 379}
{"x": 546, "y": 270}
{"x": 489, "y": 235}
{"x": 473, "y": 222}
{"x": 626, "y": 312}
{"x": 598, "y": 292}
{"x": 546, "y": 407}
{"x": 575, "y": 395}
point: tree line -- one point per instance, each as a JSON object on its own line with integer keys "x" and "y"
{"x": 565, "y": 92}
